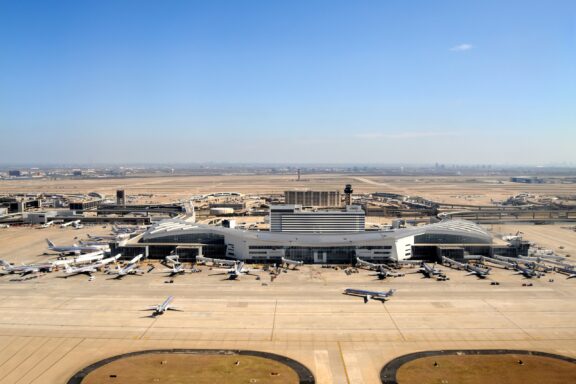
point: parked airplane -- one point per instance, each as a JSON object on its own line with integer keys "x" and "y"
{"x": 526, "y": 271}
{"x": 236, "y": 271}
{"x": 75, "y": 249}
{"x": 128, "y": 230}
{"x": 430, "y": 272}
{"x": 472, "y": 269}
{"x": 370, "y": 295}
{"x": 505, "y": 264}
{"x": 130, "y": 269}
{"x": 566, "y": 271}
{"x": 161, "y": 308}
{"x": 109, "y": 237}
{"x": 25, "y": 269}
{"x": 69, "y": 223}
{"x": 383, "y": 272}
{"x": 293, "y": 263}
{"x": 85, "y": 258}
{"x": 89, "y": 269}
{"x": 202, "y": 259}
{"x": 47, "y": 224}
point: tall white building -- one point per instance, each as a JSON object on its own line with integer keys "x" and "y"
{"x": 292, "y": 218}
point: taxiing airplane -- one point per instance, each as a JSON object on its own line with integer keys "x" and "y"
{"x": 161, "y": 308}
{"x": 370, "y": 295}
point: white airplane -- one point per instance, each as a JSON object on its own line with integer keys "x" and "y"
{"x": 566, "y": 271}
{"x": 130, "y": 269}
{"x": 69, "y": 223}
{"x": 383, "y": 272}
{"x": 105, "y": 237}
{"x": 472, "y": 270}
{"x": 527, "y": 272}
{"x": 75, "y": 249}
{"x": 294, "y": 263}
{"x": 4, "y": 225}
{"x": 236, "y": 271}
{"x": 85, "y": 258}
{"x": 204, "y": 260}
{"x": 128, "y": 230}
{"x": 89, "y": 269}
{"x": 429, "y": 271}
{"x": 48, "y": 224}
{"x": 161, "y": 308}
{"x": 370, "y": 295}
{"x": 25, "y": 269}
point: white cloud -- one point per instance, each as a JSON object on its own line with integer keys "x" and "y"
{"x": 462, "y": 47}
{"x": 405, "y": 135}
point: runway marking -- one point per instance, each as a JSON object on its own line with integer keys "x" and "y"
{"x": 58, "y": 360}
{"x": 26, "y": 358}
{"x": 394, "y": 322}
{"x": 274, "y": 321}
{"x": 322, "y": 364}
{"x": 147, "y": 329}
{"x": 343, "y": 362}
{"x": 511, "y": 321}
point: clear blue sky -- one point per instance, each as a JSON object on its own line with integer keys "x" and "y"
{"x": 288, "y": 81}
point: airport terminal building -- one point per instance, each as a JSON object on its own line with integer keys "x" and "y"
{"x": 323, "y": 245}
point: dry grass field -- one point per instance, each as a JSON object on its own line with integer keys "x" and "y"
{"x": 458, "y": 189}
{"x": 198, "y": 369}
{"x": 493, "y": 369}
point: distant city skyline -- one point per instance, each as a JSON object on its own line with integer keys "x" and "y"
{"x": 329, "y": 82}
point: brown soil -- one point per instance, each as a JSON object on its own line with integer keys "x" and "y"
{"x": 184, "y": 368}
{"x": 493, "y": 369}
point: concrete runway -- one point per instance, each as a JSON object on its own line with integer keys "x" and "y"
{"x": 51, "y": 327}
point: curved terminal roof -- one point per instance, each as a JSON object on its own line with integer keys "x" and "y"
{"x": 174, "y": 227}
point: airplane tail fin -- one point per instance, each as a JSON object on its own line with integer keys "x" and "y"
{"x": 4, "y": 263}
{"x": 50, "y": 244}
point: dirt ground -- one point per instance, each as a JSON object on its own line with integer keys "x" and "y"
{"x": 558, "y": 237}
{"x": 454, "y": 189}
{"x": 493, "y": 369}
{"x": 197, "y": 369}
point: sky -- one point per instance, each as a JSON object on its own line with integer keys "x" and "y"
{"x": 465, "y": 82}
